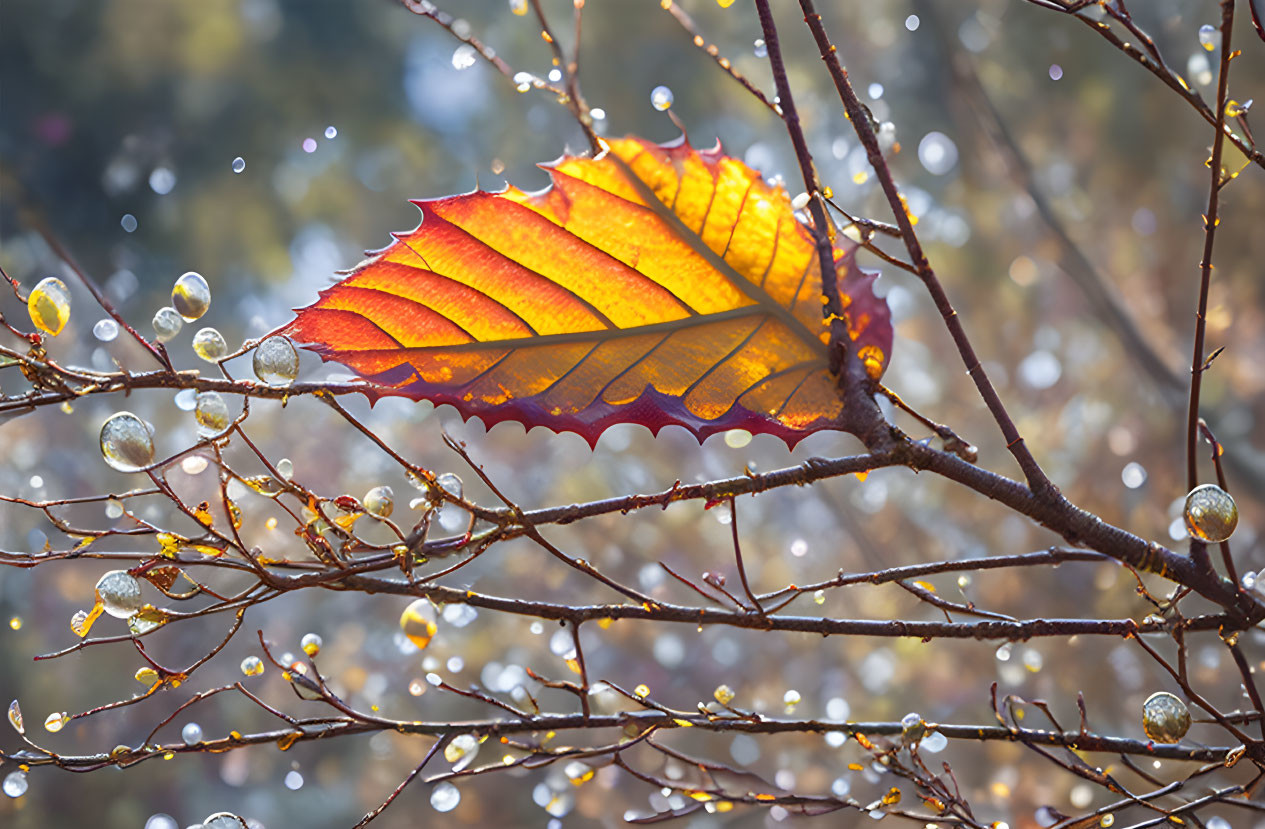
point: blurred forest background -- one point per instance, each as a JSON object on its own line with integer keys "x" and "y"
{"x": 121, "y": 121}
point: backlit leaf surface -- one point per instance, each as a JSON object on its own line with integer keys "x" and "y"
{"x": 654, "y": 284}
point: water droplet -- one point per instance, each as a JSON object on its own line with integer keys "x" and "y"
{"x": 15, "y": 717}
{"x": 15, "y": 783}
{"x": 311, "y": 644}
{"x": 126, "y": 443}
{"x": 293, "y": 780}
{"x": 799, "y": 548}
{"x": 167, "y": 323}
{"x": 119, "y": 593}
{"x": 212, "y": 414}
{"x": 15, "y": 623}
{"x": 105, "y": 330}
{"x": 912, "y": 22}
{"x": 912, "y": 727}
{"x": 1211, "y": 514}
{"x": 191, "y": 296}
{"x": 309, "y": 145}
{"x": 518, "y": 7}
{"x": 331, "y": 132}
{"x": 463, "y": 57}
{"x": 1217, "y": 822}
{"x": 55, "y": 721}
{"x": 461, "y": 751}
{"x": 275, "y": 361}
{"x": 209, "y": 344}
{"x": 191, "y": 734}
{"x": 661, "y": 98}
{"x": 791, "y": 699}
{"x": 418, "y": 622}
{"x": 578, "y": 773}
{"x": 1133, "y": 475}
{"x": 1056, "y": 72}
{"x": 252, "y": 666}
{"x": 1040, "y": 369}
{"x": 723, "y": 694}
{"x": 445, "y": 797}
{"x": 161, "y": 821}
{"x": 239, "y": 164}
{"x": 937, "y": 153}
{"x": 49, "y": 305}
{"x": 760, "y": 49}
{"x": 819, "y": 597}
{"x": 555, "y": 75}
{"x": 598, "y": 114}
{"x": 1033, "y": 660}
{"x": 128, "y": 223}
{"x": 642, "y": 690}
{"x": 1165, "y": 718}
{"x": 380, "y": 501}
{"x": 875, "y": 91}
{"x": 523, "y": 81}
{"x": 934, "y": 743}
{"x": 186, "y": 399}
{"x": 1209, "y": 37}
{"x": 1003, "y": 652}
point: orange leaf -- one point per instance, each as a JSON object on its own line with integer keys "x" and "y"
{"x": 653, "y": 284}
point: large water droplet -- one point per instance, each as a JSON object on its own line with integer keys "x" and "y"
{"x": 209, "y": 344}
{"x": 661, "y": 98}
{"x": 1165, "y": 718}
{"x": 418, "y": 622}
{"x": 1211, "y": 514}
{"x": 252, "y": 666}
{"x": 167, "y": 323}
{"x": 105, "y": 330}
{"x": 126, "y": 443}
{"x": 380, "y": 501}
{"x": 191, "y": 296}
{"x": 461, "y": 751}
{"x": 191, "y": 734}
{"x": 15, "y": 784}
{"x": 120, "y": 594}
{"x": 276, "y": 362}
{"x": 239, "y": 164}
{"x": 15, "y": 717}
{"x": 211, "y": 412}
{"x": 311, "y": 644}
{"x": 1209, "y": 37}
{"x": 49, "y": 305}
{"x": 463, "y": 57}
{"x": 445, "y": 797}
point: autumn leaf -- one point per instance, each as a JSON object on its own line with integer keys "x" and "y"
{"x": 653, "y": 284}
